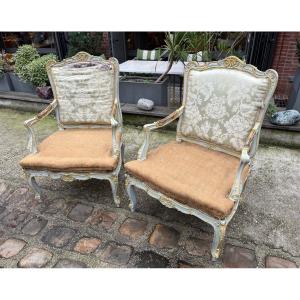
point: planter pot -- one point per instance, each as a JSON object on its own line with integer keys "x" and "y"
{"x": 5, "y": 83}
{"x": 132, "y": 88}
{"x": 44, "y": 92}
{"x": 294, "y": 99}
{"x": 21, "y": 86}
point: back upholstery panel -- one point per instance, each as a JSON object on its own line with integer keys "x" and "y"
{"x": 85, "y": 92}
{"x": 222, "y": 105}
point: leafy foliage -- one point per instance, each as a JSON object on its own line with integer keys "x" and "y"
{"x": 272, "y": 109}
{"x": 24, "y": 55}
{"x": 201, "y": 41}
{"x": 175, "y": 46}
{"x": 36, "y": 72}
{"x": 84, "y": 41}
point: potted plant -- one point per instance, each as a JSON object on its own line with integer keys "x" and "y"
{"x": 20, "y": 78}
{"x": 5, "y": 68}
{"x": 35, "y": 73}
{"x": 132, "y": 88}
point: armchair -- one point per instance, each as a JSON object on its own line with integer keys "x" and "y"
{"x": 204, "y": 171}
{"x": 88, "y": 143}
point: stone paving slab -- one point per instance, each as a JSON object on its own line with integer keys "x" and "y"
{"x": 77, "y": 224}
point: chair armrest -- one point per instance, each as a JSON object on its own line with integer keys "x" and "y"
{"x": 245, "y": 159}
{"x": 238, "y": 183}
{"x": 253, "y": 139}
{"x": 142, "y": 153}
{"x": 114, "y": 126}
{"x": 30, "y": 122}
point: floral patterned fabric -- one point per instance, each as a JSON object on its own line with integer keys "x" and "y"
{"x": 85, "y": 92}
{"x": 222, "y": 106}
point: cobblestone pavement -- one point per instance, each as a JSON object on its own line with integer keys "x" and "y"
{"x": 77, "y": 225}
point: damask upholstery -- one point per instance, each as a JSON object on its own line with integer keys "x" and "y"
{"x": 74, "y": 150}
{"x": 191, "y": 174}
{"x": 222, "y": 106}
{"x": 84, "y": 96}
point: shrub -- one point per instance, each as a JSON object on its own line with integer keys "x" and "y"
{"x": 84, "y": 41}
{"x": 24, "y": 55}
{"x": 36, "y": 72}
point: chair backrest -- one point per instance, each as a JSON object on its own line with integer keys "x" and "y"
{"x": 86, "y": 88}
{"x": 222, "y": 102}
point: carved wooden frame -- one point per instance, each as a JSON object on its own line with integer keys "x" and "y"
{"x": 116, "y": 124}
{"x": 249, "y": 150}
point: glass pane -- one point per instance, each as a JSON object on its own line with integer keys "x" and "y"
{"x": 36, "y": 39}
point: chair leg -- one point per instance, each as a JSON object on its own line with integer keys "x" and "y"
{"x": 122, "y": 153}
{"x": 218, "y": 241}
{"x": 132, "y": 196}
{"x": 114, "y": 187}
{"x": 37, "y": 190}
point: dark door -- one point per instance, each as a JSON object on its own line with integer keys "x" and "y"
{"x": 118, "y": 45}
{"x": 260, "y": 49}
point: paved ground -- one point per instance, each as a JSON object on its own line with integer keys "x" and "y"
{"x": 77, "y": 224}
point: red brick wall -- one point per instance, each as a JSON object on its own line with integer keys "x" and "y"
{"x": 106, "y": 45}
{"x": 285, "y": 61}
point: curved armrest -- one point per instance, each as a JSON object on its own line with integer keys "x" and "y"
{"x": 247, "y": 152}
{"x": 238, "y": 183}
{"x": 252, "y": 140}
{"x": 29, "y": 123}
{"x": 149, "y": 127}
{"x": 114, "y": 125}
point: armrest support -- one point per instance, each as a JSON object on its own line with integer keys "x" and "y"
{"x": 29, "y": 123}
{"x": 114, "y": 125}
{"x": 149, "y": 127}
{"x": 245, "y": 159}
{"x": 252, "y": 140}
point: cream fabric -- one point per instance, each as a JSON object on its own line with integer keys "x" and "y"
{"x": 81, "y": 150}
{"x": 84, "y": 91}
{"x": 222, "y": 106}
{"x": 191, "y": 174}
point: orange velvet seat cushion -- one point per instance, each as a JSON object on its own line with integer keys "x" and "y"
{"x": 191, "y": 174}
{"x": 74, "y": 150}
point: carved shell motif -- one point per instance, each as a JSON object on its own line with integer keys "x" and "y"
{"x": 233, "y": 62}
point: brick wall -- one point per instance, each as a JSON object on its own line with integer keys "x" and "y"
{"x": 106, "y": 45}
{"x": 285, "y": 62}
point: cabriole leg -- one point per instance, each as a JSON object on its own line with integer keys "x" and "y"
{"x": 132, "y": 196}
{"x": 37, "y": 190}
{"x": 114, "y": 187}
{"x": 218, "y": 241}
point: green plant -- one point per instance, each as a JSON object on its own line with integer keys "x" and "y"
{"x": 24, "y": 55}
{"x": 298, "y": 50}
{"x": 201, "y": 41}
{"x": 84, "y": 41}
{"x": 272, "y": 109}
{"x": 36, "y": 72}
{"x": 175, "y": 46}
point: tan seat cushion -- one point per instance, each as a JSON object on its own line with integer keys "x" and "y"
{"x": 191, "y": 174}
{"x": 74, "y": 150}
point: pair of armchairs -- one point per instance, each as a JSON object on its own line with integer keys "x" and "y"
{"x": 202, "y": 173}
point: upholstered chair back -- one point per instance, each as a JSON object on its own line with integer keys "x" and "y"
{"x": 85, "y": 87}
{"x": 222, "y": 102}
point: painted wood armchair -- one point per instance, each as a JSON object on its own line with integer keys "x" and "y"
{"x": 204, "y": 171}
{"x": 88, "y": 143}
